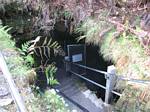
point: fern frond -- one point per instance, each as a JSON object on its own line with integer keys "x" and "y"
{"x": 49, "y": 42}
{"x": 4, "y": 28}
{"x": 45, "y": 48}
{"x": 33, "y": 42}
{"x": 5, "y": 38}
{"x": 45, "y": 41}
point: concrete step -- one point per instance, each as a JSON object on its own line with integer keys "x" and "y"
{"x": 86, "y": 103}
{"x": 65, "y": 82}
{"x": 71, "y": 91}
{"x": 76, "y": 94}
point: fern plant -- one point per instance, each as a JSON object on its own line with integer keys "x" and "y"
{"x": 5, "y": 38}
{"x": 24, "y": 52}
{"x": 50, "y": 75}
{"x": 24, "y": 48}
{"x": 45, "y": 48}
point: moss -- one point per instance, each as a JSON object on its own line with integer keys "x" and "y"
{"x": 135, "y": 98}
{"x": 16, "y": 65}
{"x": 126, "y": 53}
{"x": 128, "y": 56}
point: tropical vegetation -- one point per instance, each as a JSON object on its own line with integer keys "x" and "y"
{"x": 119, "y": 27}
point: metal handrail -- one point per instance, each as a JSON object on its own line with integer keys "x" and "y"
{"x": 83, "y": 66}
{"x": 93, "y": 69}
{"x": 133, "y": 80}
{"x": 119, "y": 77}
{"x": 98, "y": 71}
{"x": 95, "y": 83}
{"x": 14, "y": 91}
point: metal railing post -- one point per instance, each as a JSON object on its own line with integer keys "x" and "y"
{"x": 111, "y": 79}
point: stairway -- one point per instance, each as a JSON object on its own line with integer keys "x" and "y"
{"x": 69, "y": 88}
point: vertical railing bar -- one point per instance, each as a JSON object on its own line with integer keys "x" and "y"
{"x": 110, "y": 82}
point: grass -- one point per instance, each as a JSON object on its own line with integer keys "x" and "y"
{"x": 14, "y": 61}
{"x": 92, "y": 28}
{"x": 55, "y": 103}
{"x": 17, "y": 66}
{"x": 5, "y": 41}
{"x": 124, "y": 51}
{"x": 128, "y": 57}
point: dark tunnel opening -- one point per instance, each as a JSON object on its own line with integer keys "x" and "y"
{"x": 93, "y": 59}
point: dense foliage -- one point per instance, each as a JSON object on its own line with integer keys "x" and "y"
{"x": 48, "y": 101}
{"x": 119, "y": 27}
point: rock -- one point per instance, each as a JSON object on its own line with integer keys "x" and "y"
{"x": 74, "y": 111}
{"x": 3, "y": 91}
{"x": 99, "y": 103}
{"x": 87, "y": 93}
{"x": 2, "y": 80}
{"x": 93, "y": 98}
{"x": 5, "y": 102}
{"x": 3, "y": 110}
